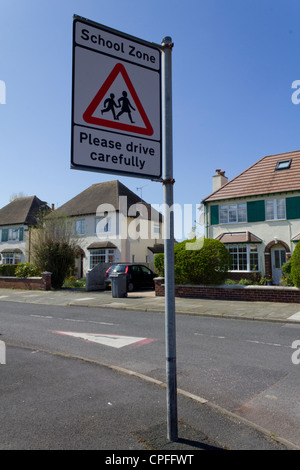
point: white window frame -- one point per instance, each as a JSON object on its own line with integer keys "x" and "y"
{"x": 104, "y": 255}
{"x": 156, "y": 229}
{"x": 274, "y": 204}
{"x": 233, "y": 211}
{"x": 248, "y": 247}
{"x": 80, "y": 227}
{"x": 11, "y": 258}
{"x": 13, "y": 234}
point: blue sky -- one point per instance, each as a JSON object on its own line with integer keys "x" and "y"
{"x": 234, "y": 62}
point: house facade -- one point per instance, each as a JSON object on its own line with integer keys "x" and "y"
{"x": 257, "y": 215}
{"x": 112, "y": 225}
{"x": 17, "y": 221}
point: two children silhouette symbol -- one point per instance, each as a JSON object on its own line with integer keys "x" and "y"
{"x": 123, "y": 103}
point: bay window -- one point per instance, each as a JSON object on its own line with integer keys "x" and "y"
{"x": 243, "y": 257}
{"x": 101, "y": 255}
{"x": 11, "y": 257}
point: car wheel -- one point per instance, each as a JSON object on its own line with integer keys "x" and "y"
{"x": 130, "y": 287}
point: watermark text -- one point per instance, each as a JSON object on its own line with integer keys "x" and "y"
{"x": 296, "y": 94}
{"x": 296, "y": 354}
{"x": 2, "y": 92}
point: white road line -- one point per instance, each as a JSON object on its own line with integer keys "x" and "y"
{"x": 73, "y": 319}
{"x": 3, "y": 296}
{"x": 261, "y": 342}
{"x": 211, "y": 336}
{"x": 2, "y": 352}
{"x": 41, "y": 316}
{"x": 246, "y": 340}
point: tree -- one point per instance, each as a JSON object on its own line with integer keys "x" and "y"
{"x": 54, "y": 247}
{"x": 14, "y": 196}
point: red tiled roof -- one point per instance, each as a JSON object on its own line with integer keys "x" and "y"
{"x": 262, "y": 178}
{"x": 238, "y": 237}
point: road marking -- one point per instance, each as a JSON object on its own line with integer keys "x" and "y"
{"x": 41, "y": 316}
{"x": 246, "y": 340}
{"x": 3, "y": 296}
{"x": 75, "y": 320}
{"x": 2, "y": 353}
{"x": 88, "y": 321}
{"x": 211, "y": 336}
{"x": 115, "y": 341}
{"x": 261, "y": 342}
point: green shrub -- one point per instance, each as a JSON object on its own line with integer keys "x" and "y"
{"x": 8, "y": 269}
{"x": 245, "y": 282}
{"x": 159, "y": 263}
{"x": 73, "y": 283}
{"x": 286, "y": 273}
{"x": 295, "y": 266}
{"x": 206, "y": 265}
{"x": 26, "y": 270}
{"x": 230, "y": 282}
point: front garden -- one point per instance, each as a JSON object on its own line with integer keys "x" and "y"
{"x": 204, "y": 273}
{"x": 210, "y": 265}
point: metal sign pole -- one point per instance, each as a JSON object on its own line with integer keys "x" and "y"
{"x": 168, "y": 181}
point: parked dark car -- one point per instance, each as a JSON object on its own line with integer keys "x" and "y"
{"x": 138, "y": 276}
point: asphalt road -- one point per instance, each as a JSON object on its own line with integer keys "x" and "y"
{"x": 241, "y": 366}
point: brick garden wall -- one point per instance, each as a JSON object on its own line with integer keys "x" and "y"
{"x": 243, "y": 293}
{"x": 29, "y": 283}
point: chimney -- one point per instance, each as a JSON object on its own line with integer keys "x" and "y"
{"x": 52, "y": 207}
{"x": 219, "y": 179}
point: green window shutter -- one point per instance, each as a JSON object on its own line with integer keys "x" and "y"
{"x": 4, "y": 237}
{"x": 214, "y": 215}
{"x": 293, "y": 207}
{"x": 21, "y": 234}
{"x": 256, "y": 211}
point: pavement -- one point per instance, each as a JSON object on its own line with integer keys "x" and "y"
{"x": 46, "y": 404}
{"x": 147, "y": 301}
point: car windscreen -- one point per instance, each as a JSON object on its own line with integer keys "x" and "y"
{"x": 119, "y": 268}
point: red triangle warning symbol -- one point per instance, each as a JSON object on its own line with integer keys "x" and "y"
{"x": 118, "y": 107}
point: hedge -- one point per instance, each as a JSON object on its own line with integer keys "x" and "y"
{"x": 206, "y": 265}
{"x": 295, "y": 266}
{"x": 8, "y": 269}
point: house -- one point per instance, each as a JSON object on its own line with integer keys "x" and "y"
{"x": 257, "y": 215}
{"x": 112, "y": 225}
{"x": 17, "y": 219}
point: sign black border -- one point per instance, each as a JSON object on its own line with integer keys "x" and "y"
{"x": 120, "y": 34}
